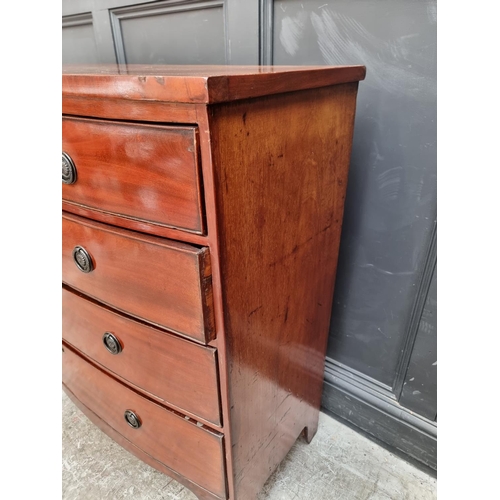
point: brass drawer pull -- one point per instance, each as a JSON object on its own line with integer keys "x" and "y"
{"x": 68, "y": 169}
{"x": 111, "y": 343}
{"x": 132, "y": 419}
{"x": 82, "y": 259}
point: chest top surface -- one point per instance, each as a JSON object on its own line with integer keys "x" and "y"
{"x": 198, "y": 84}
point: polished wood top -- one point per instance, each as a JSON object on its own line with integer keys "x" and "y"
{"x": 198, "y": 84}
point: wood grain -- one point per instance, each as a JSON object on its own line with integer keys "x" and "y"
{"x": 198, "y": 84}
{"x": 172, "y": 440}
{"x": 158, "y": 280}
{"x": 280, "y": 184}
{"x": 139, "y": 171}
{"x": 179, "y": 373}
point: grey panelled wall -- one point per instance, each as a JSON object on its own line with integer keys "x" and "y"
{"x": 381, "y": 368}
{"x": 164, "y": 32}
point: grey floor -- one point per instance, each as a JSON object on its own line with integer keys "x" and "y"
{"x": 339, "y": 464}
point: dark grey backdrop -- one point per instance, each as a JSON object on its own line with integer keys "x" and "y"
{"x": 381, "y": 366}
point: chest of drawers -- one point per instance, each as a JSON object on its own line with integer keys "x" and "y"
{"x": 202, "y": 210}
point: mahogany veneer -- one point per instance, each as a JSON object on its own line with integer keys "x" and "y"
{"x": 201, "y": 225}
{"x": 136, "y": 170}
{"x": 162, "y": 281}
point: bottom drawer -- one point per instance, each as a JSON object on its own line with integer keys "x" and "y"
{"x": 192, "y": 451}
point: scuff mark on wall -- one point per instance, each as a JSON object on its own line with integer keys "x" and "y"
{"x": 292, "y": 30}
{"x": 385, "y": 271}
{"x": 389, "y": 183}
{"x": 342, "y": 39}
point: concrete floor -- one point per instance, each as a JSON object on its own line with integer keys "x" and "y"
{"x": 339, "y": 464}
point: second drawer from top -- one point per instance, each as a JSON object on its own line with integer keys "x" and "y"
{"x": 161, "y": 281}
{"x": 149, "y": 173}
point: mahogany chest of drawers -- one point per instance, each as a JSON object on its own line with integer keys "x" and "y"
{"x": 202, "y": 209}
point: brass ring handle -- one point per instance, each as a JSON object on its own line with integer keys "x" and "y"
{"x": 132, "y": 419}
{"x": 82, "y": 259}
{"x": 111, "y": 343}
{"x": 68, "y": 169}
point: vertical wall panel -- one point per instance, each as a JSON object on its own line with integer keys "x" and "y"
{"x": 242, "y": 31}
{"x": 78, "y": 43}
{"x": 420, "y": 387}
{"x": 161, "y": 33}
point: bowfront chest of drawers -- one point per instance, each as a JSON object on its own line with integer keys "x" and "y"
{"x": 202, "y": 209}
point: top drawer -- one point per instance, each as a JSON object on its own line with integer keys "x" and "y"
{"x": 144, "y": 172}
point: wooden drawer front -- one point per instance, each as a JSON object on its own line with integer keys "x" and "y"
{"x": 144, "y": 172}
{"x": 179, "y": 372}
{"x": 161, "y": 281}
{"x": 181, "y": 445}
